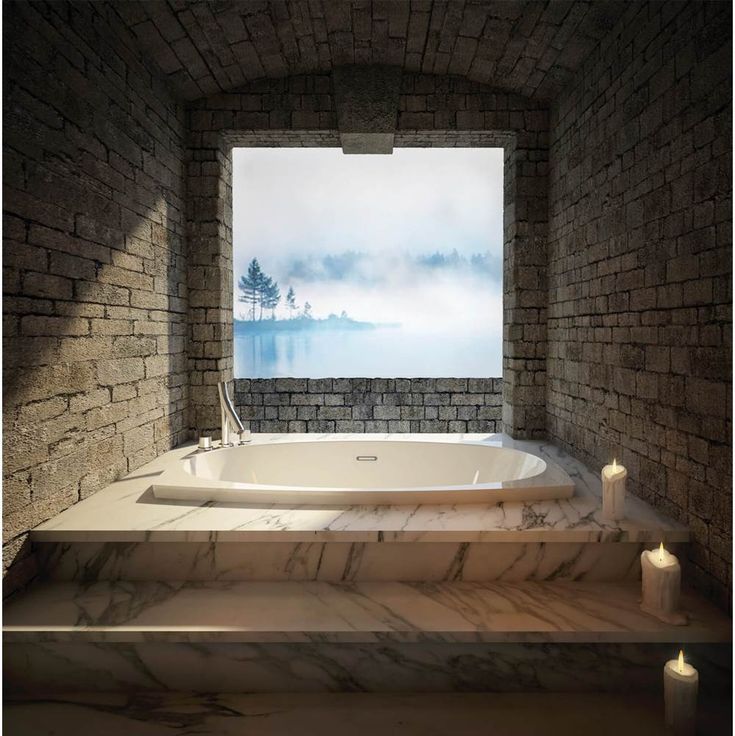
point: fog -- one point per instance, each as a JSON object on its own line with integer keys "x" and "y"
{"x": 413, "y": 238}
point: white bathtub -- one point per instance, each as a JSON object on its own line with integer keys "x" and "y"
{"x": 363, "y": 471}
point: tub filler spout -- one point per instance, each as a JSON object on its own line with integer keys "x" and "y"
{"x": 230, "y": 420}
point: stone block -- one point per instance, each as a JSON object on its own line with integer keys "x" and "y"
{"x": 387, "y": 412}
{"x": 366, "y": 101}
{"x": 46, "y": 285}
{"x": 376, "y": 426}
{"x": 121, "y": 370}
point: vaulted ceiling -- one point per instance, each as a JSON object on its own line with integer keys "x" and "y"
{"x": 527, "y": 46}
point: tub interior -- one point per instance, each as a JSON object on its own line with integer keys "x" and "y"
{"x": 365, "y": 464}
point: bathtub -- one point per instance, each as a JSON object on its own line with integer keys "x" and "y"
{"x": 363, "y": 471}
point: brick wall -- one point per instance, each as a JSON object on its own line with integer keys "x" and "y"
{"x": 433, "y": 111}
{"x": 94, "y": 264}
{"x": 640, "y": 267}
{"x": 370, "y": 404}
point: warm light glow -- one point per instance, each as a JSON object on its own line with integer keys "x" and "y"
{"x": 681, "y": 661}
{"x": 661, "y": 552}
{"x": 615, "y": 465}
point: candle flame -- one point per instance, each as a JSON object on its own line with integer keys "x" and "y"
{"x": 615, "y": 464}
{"x": 681, "y": 661}
{"x": 661, "y": 552}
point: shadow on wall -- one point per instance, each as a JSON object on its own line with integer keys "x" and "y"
{"x": 95, "y": 380}
{"x": 94, "y": 368}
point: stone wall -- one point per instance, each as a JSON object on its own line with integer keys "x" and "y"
{"x": 432, "y": 111}
{"x": 640, "y": 267}
{"x": 370, "y": 404}
{"x": 617, "y": 303}
{"x": 94, "y": 276}
{"x": 524, "y": 46}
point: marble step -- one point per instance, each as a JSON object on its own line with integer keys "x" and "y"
{"x": 366, "y": 637}
{"x": 32, "y": 668}
{"x": 288, "y": 612}
{"x": 344, "y": 561}
{"x": 359, "y": 714}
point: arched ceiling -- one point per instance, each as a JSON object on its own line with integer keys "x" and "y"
{"x": 530, "y": 47}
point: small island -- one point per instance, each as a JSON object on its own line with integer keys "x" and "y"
{"x": 263, "y": 295}
{"x": 303, "y": 324}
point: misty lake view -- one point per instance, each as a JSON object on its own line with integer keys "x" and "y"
{"x": 367, "y": 266}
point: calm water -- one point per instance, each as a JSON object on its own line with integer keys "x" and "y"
{"x": 382, "y": 352}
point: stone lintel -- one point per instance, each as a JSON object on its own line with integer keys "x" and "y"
{"x": 367, "y": 142}
{"x": 366, "y": 99}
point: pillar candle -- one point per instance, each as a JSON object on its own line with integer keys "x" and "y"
{"x": 613, "y": 491}
{"x": 681, "y": 684}
{"x": 661, "y": 585}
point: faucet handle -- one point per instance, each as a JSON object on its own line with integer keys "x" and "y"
{"x": 244, "y": 437}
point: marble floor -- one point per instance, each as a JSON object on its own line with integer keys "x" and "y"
{"x": 455, "y": 714}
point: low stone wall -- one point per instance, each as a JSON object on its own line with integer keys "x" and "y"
{"x": 370, "y": 404}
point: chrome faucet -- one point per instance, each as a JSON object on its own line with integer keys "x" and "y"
{"x": 230, "y": 420}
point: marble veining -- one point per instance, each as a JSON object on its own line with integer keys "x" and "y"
{"x": 342, "y": 561}
{"x": 389, "y": 666}
{"x": 127, "y": 511}
{"x": 349, "y": 612}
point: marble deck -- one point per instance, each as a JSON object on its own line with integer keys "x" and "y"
{"x": 462, "y": 714}
{"x": 254, "y": 612}
{"x": 127, "y": 511}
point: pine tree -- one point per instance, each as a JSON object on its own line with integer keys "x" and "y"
{"x": 271, "y": 295}
{"x": 291, "y": 302}
{"x": 307, "y": 310}
{"x": 251, "y": 287}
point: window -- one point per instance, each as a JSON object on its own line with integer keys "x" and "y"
{"x": 380, "y": 266}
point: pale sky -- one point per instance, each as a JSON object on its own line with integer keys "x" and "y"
{"x": 355, "y": 233}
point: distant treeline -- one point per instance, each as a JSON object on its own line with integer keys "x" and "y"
{"x": 366, "y": 268}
